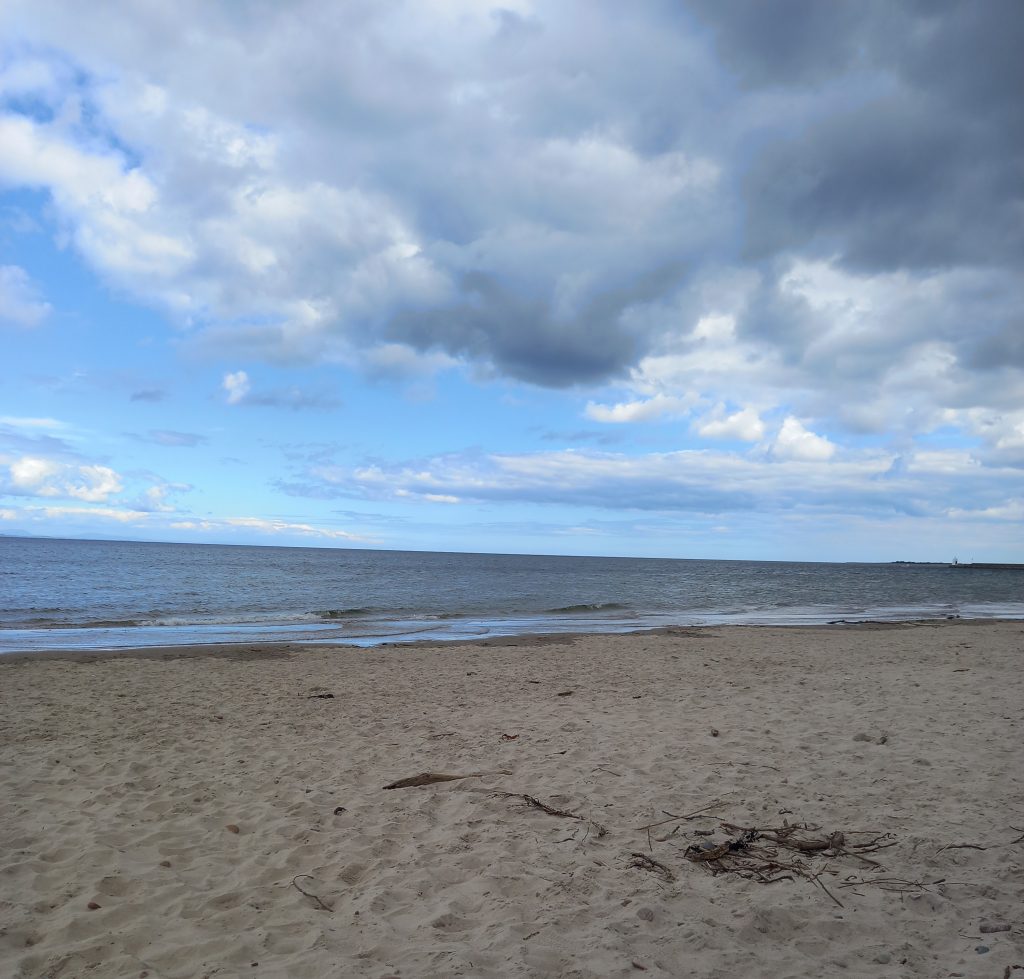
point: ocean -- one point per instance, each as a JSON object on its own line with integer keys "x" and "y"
{"x": 79, "y": 594}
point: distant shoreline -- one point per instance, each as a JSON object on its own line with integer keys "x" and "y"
{"x": 983, "y": 566}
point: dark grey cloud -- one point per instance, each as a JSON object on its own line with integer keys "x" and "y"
{"x": 787, "y": 42}
{"x": 898, "y": 183}
{"x": 524, "y": 339}
{"x": 1001, "y": 348}
{"x": 916, "y": 162}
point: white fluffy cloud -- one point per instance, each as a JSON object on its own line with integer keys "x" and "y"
{"x": 797, "y": 443}
{"x": 112, "y": 210}
{"x": 236, "y": 386}
{"x": 315, "y": 262}
{"x": 745, "y": 425}
{"x": 648, "y": 409}
{"x": 35, "y": 476}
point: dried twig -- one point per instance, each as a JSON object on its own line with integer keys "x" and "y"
{"x": 827, "y": 891}
{"x": 643, "y": 862}
{"x": 898, "y": 885}
{"x": 543, "y": 806}
{"x": 675, "y": 819}
{"x": 301, "y": 890}
{"x": 529, "y": 800}
{"x": 816, "y": 879}
{"x": 978, "y": 846}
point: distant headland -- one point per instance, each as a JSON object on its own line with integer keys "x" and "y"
{"x": 985, "y": 566}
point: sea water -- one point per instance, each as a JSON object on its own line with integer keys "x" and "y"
{"x": 81, "y": 594}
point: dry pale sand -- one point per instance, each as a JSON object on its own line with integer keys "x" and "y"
{"x": 123, "y": 775}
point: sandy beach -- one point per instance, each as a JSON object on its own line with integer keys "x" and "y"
{"x": 222, "y": 812}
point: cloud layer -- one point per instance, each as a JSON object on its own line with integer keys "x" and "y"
{"x": 550, "y": 192}
{"x": 799, "y": 473}
{"x": 791, "y": 233}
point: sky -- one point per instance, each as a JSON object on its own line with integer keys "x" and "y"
{"x": 674, "y": 279}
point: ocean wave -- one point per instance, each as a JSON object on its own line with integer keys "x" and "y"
{"x": 343, "y": 613}
{"x": 588, "y": 607}
{"x": 43, "y": 623}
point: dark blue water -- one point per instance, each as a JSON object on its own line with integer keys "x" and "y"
{"x": 100, "y": 594}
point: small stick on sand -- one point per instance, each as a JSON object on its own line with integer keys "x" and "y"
{"x": 325, "y": 907}
{"x": 816, "y": 879}
{"x": 643, "y": 862}
{"x": 960, "y": 846}
{"x": 675, "y": 819}
{"x": 978, "y": 846}
{"x": 543, "y": 806}
{"x": 562, "y": 813}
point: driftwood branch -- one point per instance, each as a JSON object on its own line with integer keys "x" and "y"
{"x": 429, "y": 778}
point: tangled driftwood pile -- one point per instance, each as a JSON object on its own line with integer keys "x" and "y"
{"x": 787, "y": 852}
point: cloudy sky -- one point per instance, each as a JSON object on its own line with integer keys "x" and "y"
{"x": 693, "y": 279}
